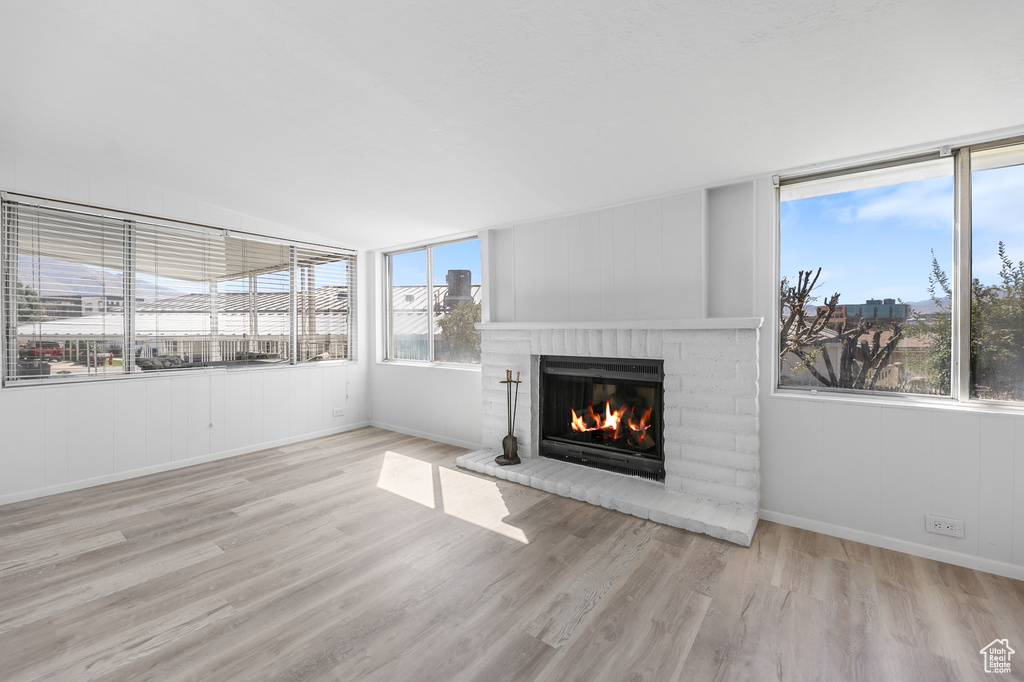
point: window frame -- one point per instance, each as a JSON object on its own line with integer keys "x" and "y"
{"x": 9, "y": 253}
{"x": 387, "y": 272}
{"x": 960, "y": 276}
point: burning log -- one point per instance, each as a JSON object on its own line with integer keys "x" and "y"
{"x": 641, "y": 440}
{"x": 615, "y": 424}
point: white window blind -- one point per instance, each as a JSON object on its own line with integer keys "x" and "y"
{"x": 63, "y": 291}
{"x": 253, "y": 320}
{"x": 176, "y": 301}
{"x": 93, "y": 295}
{"x": 325, "y": 304}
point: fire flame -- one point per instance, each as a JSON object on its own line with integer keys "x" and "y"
{"x": 611, "y": 423}
{"x": 643, "y": 424}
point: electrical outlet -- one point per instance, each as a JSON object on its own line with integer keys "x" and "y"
{"x": 944, "y": 526}
{"x": 339, "y": 412}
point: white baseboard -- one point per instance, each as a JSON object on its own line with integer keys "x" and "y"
{"x": 423, "y": 434}
{"x": 979, "y": 563}
{"x": 23, "y": 495}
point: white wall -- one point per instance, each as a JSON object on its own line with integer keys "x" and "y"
{"x": 872, "y": 471}
{"x": 67, "y": 436}
{"x": 58, "y": 438}
{"x": 441, "y": 403}
{"x": 640, "y": 261}
{"x": 731, "y": 251}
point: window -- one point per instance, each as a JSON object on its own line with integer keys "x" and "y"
{"x": 325, "y": 289}
{"x": 997, "y": 274}
{"x": 57, "y": 266}
{"x": 89, "y": 295}
{"x": 434, "y": 303}
{"x": 906, "y": 277}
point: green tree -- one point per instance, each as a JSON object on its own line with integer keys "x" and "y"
{"x": 935, "y": 363}
{"x": 30, "y": 307}
{"x": 459, "y": 338}
{"x": 997, "y": 332}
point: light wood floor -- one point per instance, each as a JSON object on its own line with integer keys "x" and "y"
{"x": 368, "y": 555}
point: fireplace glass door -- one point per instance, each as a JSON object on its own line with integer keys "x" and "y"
{"x": 603, "y": 412}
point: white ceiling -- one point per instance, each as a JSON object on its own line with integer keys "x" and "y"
{"x": 385, "y": 122}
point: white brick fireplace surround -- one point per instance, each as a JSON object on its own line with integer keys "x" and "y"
{"x": 711, "y": 445}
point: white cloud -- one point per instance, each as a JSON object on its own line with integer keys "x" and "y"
{"x": 916, "y": 204}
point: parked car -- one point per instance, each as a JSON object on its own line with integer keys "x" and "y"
{"x": 33, "y": 368}
{"x": 42, "y": 349}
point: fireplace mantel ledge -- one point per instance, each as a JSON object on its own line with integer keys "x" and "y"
{"x": 691, "y": 323}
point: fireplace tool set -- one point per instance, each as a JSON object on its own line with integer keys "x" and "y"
{"x": 509, "y": 444}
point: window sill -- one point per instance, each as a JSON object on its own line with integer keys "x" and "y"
{"x": 203, "y": 372}
{"x": 463, "y": 367}
{"x": 905, "y": 401}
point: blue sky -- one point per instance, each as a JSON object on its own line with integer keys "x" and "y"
{"x": 878, "y": 242}
{"x": 997, "y": 214}
{"x": 411, "y": 267}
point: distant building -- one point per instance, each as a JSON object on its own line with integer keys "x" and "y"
{"x": 78, "y": 305}
{"x": 101, "y": 304}
{"x": 55, "y": 307}
{"x": 874, "y": 310}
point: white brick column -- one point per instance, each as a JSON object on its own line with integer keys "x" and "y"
{"x": 711, "y": 414}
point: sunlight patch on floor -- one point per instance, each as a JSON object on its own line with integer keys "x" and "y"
{"x": 462, "y": 496}
{"x": 477, "y": 501}
{"x": 410, "y": 478}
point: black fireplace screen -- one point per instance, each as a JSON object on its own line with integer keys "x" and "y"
{"x": 603, "y": 412}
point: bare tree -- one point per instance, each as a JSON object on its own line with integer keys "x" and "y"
{"x": 797, "y": 331}
{"x": 862, "y": 355}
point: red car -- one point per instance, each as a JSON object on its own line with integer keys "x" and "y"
{"x": 43, "y": 349}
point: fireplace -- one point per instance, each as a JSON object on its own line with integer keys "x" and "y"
{"x": 605, "y": 413}
{"x": 706, "y": 425}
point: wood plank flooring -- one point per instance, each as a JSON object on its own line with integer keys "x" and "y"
{"x": 369, "y": 556}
